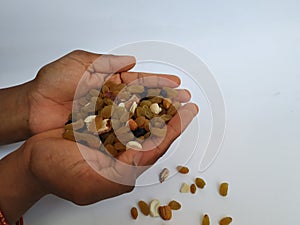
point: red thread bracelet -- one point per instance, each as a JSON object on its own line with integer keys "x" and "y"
{"x": 20, "y": 222}
{"x": 2, "y": 219}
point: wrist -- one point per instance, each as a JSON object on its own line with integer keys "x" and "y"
{"x": 14, "y": 115}
{"x": 19, "y": 189}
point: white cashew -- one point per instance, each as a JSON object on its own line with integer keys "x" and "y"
{"x": 155, "y": 108}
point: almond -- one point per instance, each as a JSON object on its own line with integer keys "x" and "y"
{"x": 200, "y": 183}
{"x": 144, "y": 207}
{"x": 225, "y": 221}
{"x": 174, "y": 205}
{"x": 223, "y": 190}
{"x": 205, "y": 220}
{"x": 132, "y": 124}
{"x": 134, "y": 213}
{"x": 193, "y": 188}
{"x": 182, "y": 169}
{"x": 165, "y": 212}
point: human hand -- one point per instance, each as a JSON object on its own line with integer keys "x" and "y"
{"x": 51, "y": 93}
{"x": 47, "y": 163}
{"x": 82, "y": 175}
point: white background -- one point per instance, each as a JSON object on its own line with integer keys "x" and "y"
{"x": 253, "y": 49}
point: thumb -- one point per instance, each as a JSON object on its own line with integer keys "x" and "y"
{"x": 101, "y": 67}
{"x": 113, "y": 63}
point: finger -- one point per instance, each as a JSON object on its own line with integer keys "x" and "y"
{"x": 175, "y": 127}
{"x": 84, "y": 57}
{"x": 183, "y": 95}
{"x": 113, "y": 64}
{"x": 150, "y": 79}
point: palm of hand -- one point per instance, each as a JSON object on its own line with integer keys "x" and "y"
{"x": 54, "y": 88}
{"x": 68, "y": 172}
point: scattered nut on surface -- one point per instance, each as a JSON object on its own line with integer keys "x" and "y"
{"x": 193, "y": 188}
{"x": 174, "y": 205}
{"x": 205, "y": 220}
{"x": 164, "y": 175}
{"x": 165, "y": 212}
{"x": 144, "y": 207}
{"x": 134, "y": 213}
{"x": 154, "y": 205}
{"x": 185, "y": 188}
{"x": 182, "y": 169}
{"x": 200, "y": 182}
{"x": 225, "y": 221}
{"x": 223, "y": 190}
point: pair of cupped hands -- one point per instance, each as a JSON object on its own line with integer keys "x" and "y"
{"x": 83, "y": 176}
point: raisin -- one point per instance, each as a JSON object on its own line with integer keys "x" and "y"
{"x": 163, "y": 93}
{"x": 139, "y": 132}
{"x": 68, "y": 122}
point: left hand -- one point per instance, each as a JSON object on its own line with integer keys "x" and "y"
{"x": 52, "y": 92}
{"x": 82, "y": 175}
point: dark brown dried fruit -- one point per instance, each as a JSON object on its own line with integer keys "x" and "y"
{"x": 144, "y": 207}
{"x": 193, "y": 188}
{"x": 174, "y": 205}
{"x": 109, "y": 139}
{"x": 182, "y": 169}
{"x": 200, "y": 182}
{"x": 119, "y": 146}
{"x": 111, "y": 149}
{"x": 106, "y": 112}
{"x": 140, "y": 121}
{"x": 172, "y": 110}
{"x": 165, "y": 212}
{"x": 75, "y": 125}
